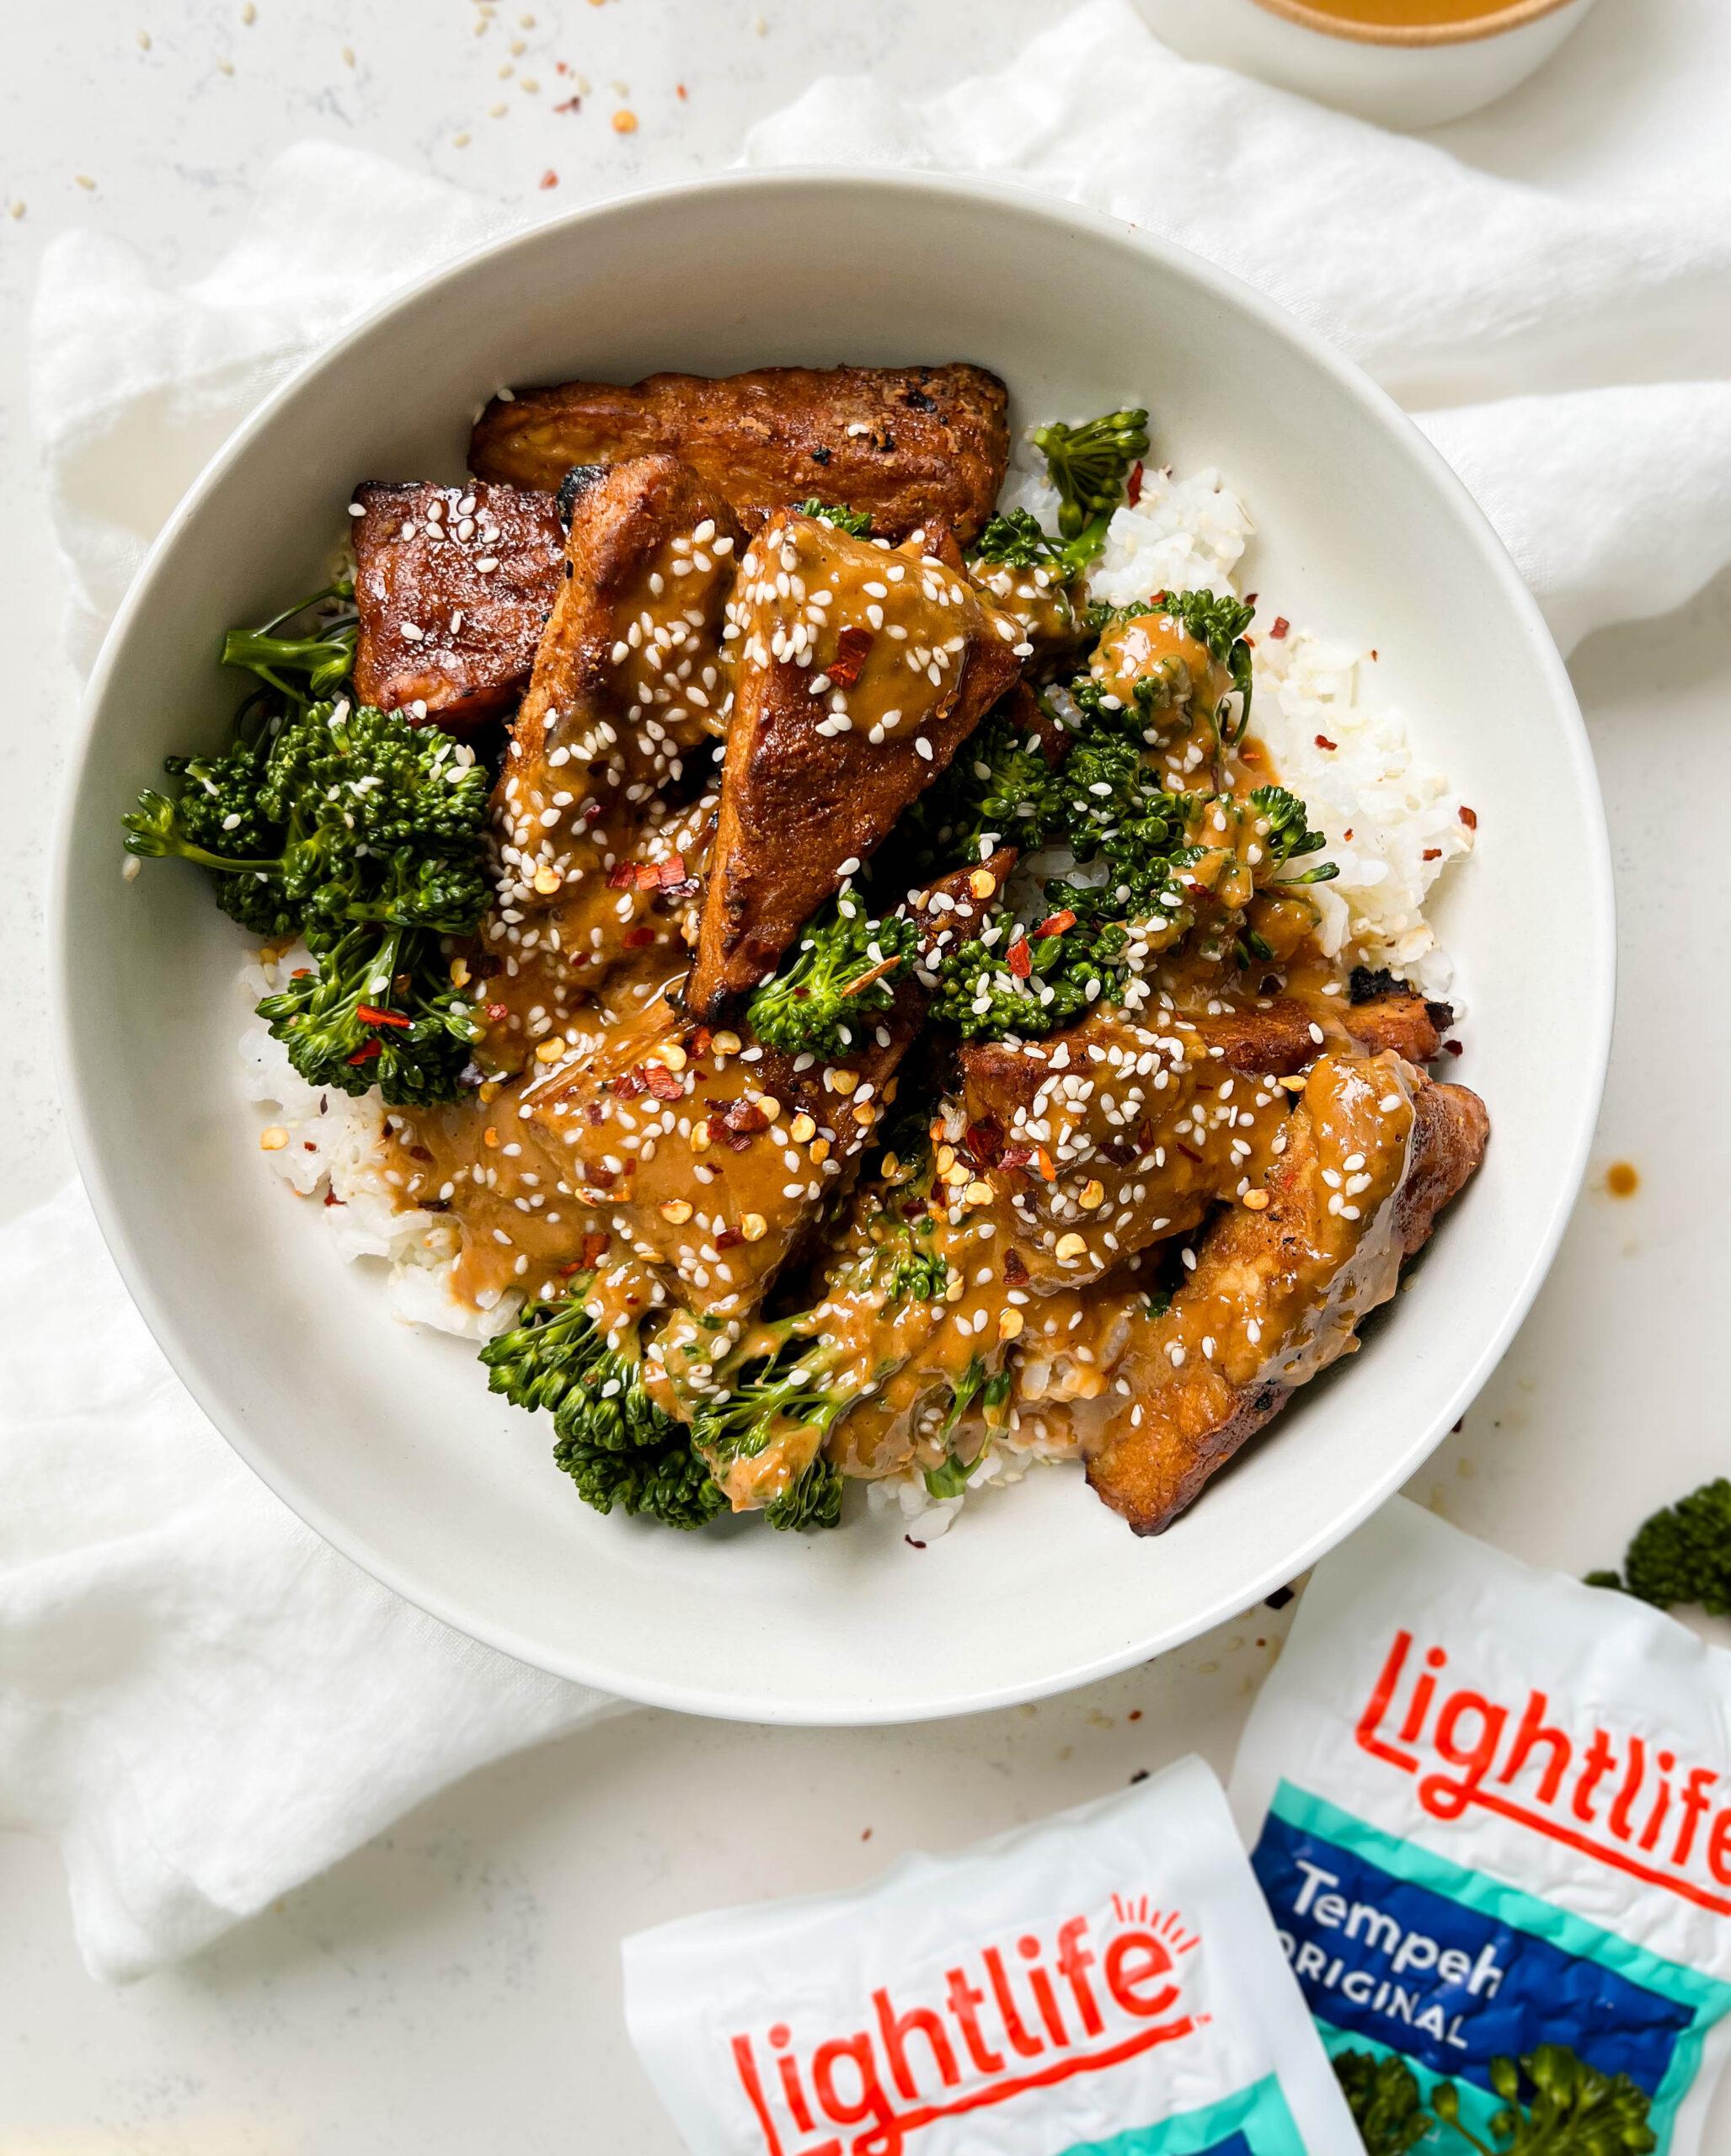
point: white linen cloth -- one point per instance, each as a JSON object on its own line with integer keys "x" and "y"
{"x": 202, "y": 1702}
{"x": 1567, "y": 357}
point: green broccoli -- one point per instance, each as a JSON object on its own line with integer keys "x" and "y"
{"x": 952, "y": 1477}
{"x": 843, "y": 971}
{"x": 378, "y": 1009}
{"x": 1382, "y": 2094}
{"x": 1089, "y": 465}
{"x": 1573, "y": 2110}
{"x": 998, "y": 790}
{"x": 362, "y": 836}
{"x": 1682, "y": 1555}
{"x": 304, "y": 669}
{"x": 1289, "y": 835}
{"x": 611, "y": 1439}
{"x": 1030, "y": 982}
{"x": 782, "y": 1397}
{"x": 853, "y": 521}
{"x": 1015, "y": 539}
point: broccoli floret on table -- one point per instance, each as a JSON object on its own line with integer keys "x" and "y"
{"x": 1382, "y": 2094}
{"x": 1682, "y": 1555}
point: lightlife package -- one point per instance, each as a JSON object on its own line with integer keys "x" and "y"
{"x": 1490, "y": 1808}
{"x": 1106, "y": 1984}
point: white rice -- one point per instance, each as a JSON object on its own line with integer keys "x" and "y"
{"x": 1383, "y": 811}
{"x": 334, "y": 1153}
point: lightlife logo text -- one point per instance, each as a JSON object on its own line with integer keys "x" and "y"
{"x": 1009, "y": 2018}
{"x": 1610, "y": 1794}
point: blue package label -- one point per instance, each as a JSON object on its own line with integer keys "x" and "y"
{"x": 1397, "y": 1950}
{"x": 1451, "y": 1986}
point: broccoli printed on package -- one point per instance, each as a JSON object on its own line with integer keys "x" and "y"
{"x": 1105, "y": 1984}
{"x": 1490, "y": 1808}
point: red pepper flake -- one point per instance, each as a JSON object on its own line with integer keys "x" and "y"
{"x": 1469, "y": 817}
{"x": 727, "y": 1239}
{"x": 1015, "y": 1272}
{"x": 851, "y": 648}
{"x": 497, "y": 1012}
{"x": 594, "y": 1248}
{"x": 665, "y": 1085}
{"x": 1453, "y": 1047}
{"x": 1015, "y": 1156}
{"x": 300, "y": 973}
{"x": 1135, "y": 1715}
{"x": 1055, "y": 924}
{"x": 1019, "y": 959}
{"x": 365, "y": 1053}
{"x": 549, "y": 177}
{"x": 1432, "y": 853}
{"x": 628, "y": 1087}
{"x": 670, "y": 872}
{"x": 638, "y": 939}
{"x": 1280, "y": 628}
{"x": 680, "y": 92}
{"x": 701, "y": 1041}
{"x": 622, "y": 875}
{"x": 331, "y": 1198}
{"x": 911, "y": 1544}
{"x": 570, "y": 104}
{"x": 1347, "y": 833}
{"x": 1250, "y": 754}
{"x": 742, "y": 1115}
{"x": 1323, "y": 742}
{"x": 985, "y": 1141}
{"x": 1133, "y": 491}
{"x": 369, "y": 1014}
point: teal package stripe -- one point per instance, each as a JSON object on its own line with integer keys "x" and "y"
{"x": 1255, "y": 2122}
{"x": 1398, "y": 1950}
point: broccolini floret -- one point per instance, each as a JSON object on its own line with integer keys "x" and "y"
{"x": 1553, "y": 2102}
{"x": 1016, "y": 539}
{"x": 610, "y": 1437}
{"x": 1382, "y": 2094}
{"x": 307, "y": 669}
{"x": 998, "y": 790}
{"x": 1290, "y": 836}
{"x": 1682, "y": 1555}
{"x": 1034, "y": 980}
{"x": 855, "y": 521}
{"x": 785, "y": 1398}
{"x": 1556, "y": 2104}
{"x": 1089, "y": 465}
{"x": 362, "y": 835}
{"x": 843, "y": 971}
{"x": 952, "y": 1477}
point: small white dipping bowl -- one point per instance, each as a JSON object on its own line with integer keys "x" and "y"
{"x": 1415, "y": 77}
{"x": 385, "y": 1439}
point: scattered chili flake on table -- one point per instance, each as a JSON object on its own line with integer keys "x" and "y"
{"x": 549, "y": 177}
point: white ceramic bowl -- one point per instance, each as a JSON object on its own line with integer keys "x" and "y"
{"x": 385, "y": 1439}
{"x": 1401, "y": 77}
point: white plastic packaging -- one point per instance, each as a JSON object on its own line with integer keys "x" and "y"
{"x": 1490, "y": 1808}
{"x": 1106, "y": 1984}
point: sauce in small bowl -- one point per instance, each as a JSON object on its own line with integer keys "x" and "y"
{"x": 1407, "y": 63}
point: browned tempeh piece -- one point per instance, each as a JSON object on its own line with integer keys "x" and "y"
{"x": 845, "y": 708}
{"x": 627, "y": 682}
{"x": 902, "y": 444}
{"x": 1398, "y": 1019}
{"x": 1278, "y": 1295}
{"x": 453, "y": 586}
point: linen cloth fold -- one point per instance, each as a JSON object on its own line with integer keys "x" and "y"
{"x": 199, "y": 1698}
{"x": 1569, "y": 356}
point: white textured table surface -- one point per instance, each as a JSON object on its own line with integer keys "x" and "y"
{"x": 453, "y": 1988}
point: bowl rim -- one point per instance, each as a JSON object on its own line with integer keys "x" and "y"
{"x": 180, "y": 1346}
{"x": 1513, "y": 15}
